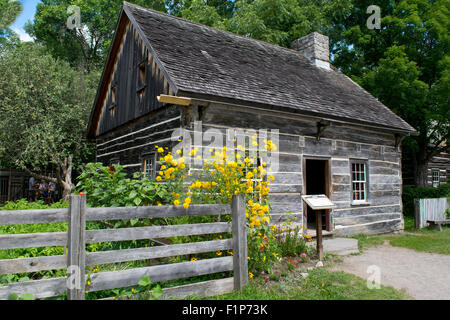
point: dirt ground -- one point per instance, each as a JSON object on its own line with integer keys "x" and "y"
{"x": 424, "y": 276}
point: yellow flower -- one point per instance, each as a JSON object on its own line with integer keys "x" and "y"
{"x": 185, "y": 205}
{"x": 176, "y": 202}
{"x": 250, "y": 275}
{"x": 160, "y": 150}
{"x": 158, "y": 178}
{"x": 193, "y": 259}
{"x": 219, "y": 253}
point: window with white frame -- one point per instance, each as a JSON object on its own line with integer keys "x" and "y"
{"x": 436, "y": 178}
{"x": 149, "y": 166}
{"x": 359, "y": 181}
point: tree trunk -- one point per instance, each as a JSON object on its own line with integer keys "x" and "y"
{"x": 421, "y": 174}
{"x": 66, "y": 180}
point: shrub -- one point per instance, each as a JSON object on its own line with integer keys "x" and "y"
{"x": 410, "y": 193}
{"x": 219, "y": 178}
{"x": 23, "y": 204}
{"x": 290, "y": 241}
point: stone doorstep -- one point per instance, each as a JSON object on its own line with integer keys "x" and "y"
{"x": 339, "y": 246}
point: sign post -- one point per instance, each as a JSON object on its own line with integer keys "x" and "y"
{"x": 319, "y": 203}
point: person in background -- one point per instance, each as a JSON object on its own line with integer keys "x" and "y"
{"x": 31, "y": 189}
{"x": 51, "y": 191}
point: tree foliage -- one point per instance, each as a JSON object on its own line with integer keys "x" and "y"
{"x": 44, "y": 109}
{"x": 9, "y": 11}
{"x": 86, "y": 47}
{"x": 406, "y": 66}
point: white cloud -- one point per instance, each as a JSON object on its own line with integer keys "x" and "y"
{"x": 24, "y": 37}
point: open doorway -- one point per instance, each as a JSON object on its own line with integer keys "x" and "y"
{"x": 316, "y": 173}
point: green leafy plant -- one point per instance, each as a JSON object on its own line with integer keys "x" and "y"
{"x": 145, "y": 290}
{"x": 23, "y": 204}
{"x": 25, "y": 296}
{"x": 109, "y": 187}
{"x": 290, "y": 241}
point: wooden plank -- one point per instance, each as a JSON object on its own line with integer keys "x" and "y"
{"x": 130, "y": 277}
{"x": 38, "y": 288}
{"x": 199, "y": 289}
{"x": 240, "y": 261}
{"x": 124, "y": 234}
{"x": 22, "y": 265}
{"x": 10, "y": 217}
{"x": 182, "y": 101}
{"x": 96, "y": 214}
{"x": 105, "y": 257}
{"x": 77, "y": 246}
{"x": 31, "y": 240}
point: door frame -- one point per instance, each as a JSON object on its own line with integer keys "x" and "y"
{"x": 327, "y": 186}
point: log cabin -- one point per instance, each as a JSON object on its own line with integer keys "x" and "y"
{"x": 164, "y": 73}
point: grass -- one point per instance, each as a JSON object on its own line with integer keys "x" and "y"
{"x": 321, "y": 284}
{"x": 424, "y": 240}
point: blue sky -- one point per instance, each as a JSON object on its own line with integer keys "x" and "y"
{"x": 29, "y": 9}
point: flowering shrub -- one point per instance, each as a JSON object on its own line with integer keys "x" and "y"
{"x": 220, "y": 176}
{"x": 290, "y": 240}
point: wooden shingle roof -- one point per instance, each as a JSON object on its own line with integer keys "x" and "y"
{"x": 213, "y": 63}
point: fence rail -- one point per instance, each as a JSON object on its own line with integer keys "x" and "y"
{"x": 429, "y": 209}
{"x": 77, "y": 258}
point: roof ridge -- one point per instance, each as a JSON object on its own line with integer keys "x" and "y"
{"x": 220, "y": 30}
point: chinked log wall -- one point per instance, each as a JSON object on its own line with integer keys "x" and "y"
{"x": 297, "y": 139}
{"x": 339, "y": 143}
{"x": 77, "y": 236}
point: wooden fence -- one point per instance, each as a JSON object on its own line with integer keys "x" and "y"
{"x": 77, "y": 258}
{"x": 429, "y": 209}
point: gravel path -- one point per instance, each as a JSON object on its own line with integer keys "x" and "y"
{"x": 422, "y": 275}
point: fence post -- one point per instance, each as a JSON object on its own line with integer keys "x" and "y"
{"x": 417, "y": 218}
{"x": 76, "y": 245}
{"x": 239, "y": 229}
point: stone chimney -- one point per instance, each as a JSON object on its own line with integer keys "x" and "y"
{"x": 314, "y": 46}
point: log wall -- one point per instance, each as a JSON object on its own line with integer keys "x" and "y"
{"x": 339, "y": 144}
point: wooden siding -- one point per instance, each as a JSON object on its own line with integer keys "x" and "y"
{"x": 339, "y": 144}
{"x": 439, "y": 163}
{"x": 130, "y": 143}
{"x": 131, "y": 91}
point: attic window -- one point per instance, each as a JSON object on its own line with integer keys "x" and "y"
{"x": 112, "y": 105}
{"x": 141, "y": 83}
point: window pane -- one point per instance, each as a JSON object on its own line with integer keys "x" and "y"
{"x": 359, "y": 181}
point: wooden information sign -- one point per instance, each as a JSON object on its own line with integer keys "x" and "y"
{"x": 319, "y": 203}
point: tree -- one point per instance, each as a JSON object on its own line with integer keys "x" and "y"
{"x": 405, "y": 64}
{"x": 44, "y": 109}
{"x": 9, "y": 11}
{"x": 276, "y": 21}
{"x": 85, "y": 47}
